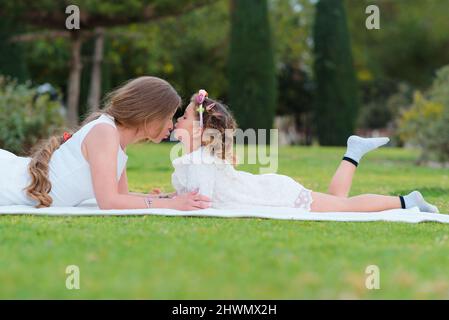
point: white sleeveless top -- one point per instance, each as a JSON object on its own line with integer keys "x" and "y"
{"x": 69, "y": 172}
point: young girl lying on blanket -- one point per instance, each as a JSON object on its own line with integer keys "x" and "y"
{"x": 209, "y": 168}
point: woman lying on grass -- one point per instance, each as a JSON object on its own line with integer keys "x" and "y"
{"x": 209, "y": 168}
{"x": 67, "y": 170}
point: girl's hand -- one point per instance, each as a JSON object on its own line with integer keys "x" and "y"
{"x": 156, "y": 191}
{"x": 190, "y": 201}
{"x": 169, "y": 195}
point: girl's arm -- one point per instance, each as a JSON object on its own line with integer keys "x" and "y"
{"x": 102, "y": 144}
{"x": 201, "y": 177}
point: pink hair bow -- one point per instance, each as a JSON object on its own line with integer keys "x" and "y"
{"x": 200, "y": 97}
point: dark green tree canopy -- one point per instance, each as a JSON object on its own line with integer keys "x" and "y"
{"x": 105, "y": 13}
{"x": 252, "y": 88}
{"x": 336, "y": 89}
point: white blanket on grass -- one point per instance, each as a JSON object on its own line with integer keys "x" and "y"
{"x": 90, "y": 208}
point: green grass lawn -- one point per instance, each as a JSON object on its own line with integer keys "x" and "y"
{"x": 216, "y": 258}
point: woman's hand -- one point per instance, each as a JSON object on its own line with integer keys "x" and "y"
{"x": 190, "y": 201}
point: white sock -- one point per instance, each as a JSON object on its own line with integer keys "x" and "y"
{"x": 358, "y": 146}
{"x": 415, "y": 199}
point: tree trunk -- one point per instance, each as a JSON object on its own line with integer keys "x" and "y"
{"x": 74, "y": 80}
{"x": 95, "y": 79}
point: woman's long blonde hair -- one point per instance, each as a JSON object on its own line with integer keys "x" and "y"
{"x": 135, "y": 104}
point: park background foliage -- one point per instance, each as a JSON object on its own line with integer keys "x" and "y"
{"x": 191, "y": 44}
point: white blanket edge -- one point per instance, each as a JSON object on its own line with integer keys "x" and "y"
{"x": 90, "y": 208}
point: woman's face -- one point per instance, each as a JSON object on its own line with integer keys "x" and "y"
{"x": 156, "y": 137}
{"x": 184, "y": 125}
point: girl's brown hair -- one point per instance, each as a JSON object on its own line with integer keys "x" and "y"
{"x": 219, "y": 119}
{"x": 135, "y": 104}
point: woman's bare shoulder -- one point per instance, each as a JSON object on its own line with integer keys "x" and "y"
{"x": 103, "y": 138}
{"x": 104, "y": 132}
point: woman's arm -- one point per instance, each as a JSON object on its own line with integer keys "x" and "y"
{"x": 123, "y": 183}
{"x": 102, "y": 144}
{"x": 123, "y": 189}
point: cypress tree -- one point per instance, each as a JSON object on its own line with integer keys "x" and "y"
{"x": 252, "y": 88}
{"x": 336, "y": 90}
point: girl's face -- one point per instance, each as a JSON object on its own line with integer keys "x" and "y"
{"x": 184, "y": 125}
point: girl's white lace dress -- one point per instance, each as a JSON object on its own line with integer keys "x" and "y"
{"x": 230, "y": 188}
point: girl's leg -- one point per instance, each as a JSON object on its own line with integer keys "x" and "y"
{"x": 342, "y": 180}
{"x": 364, "y": 203}
{"x": 369, "y": 202}
{"x": 357, "y": 147}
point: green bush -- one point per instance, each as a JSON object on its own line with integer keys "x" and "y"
{"x": 426, "y": 123}
{"x": 23, "y": 119}
{"x": 374, "y": 115}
